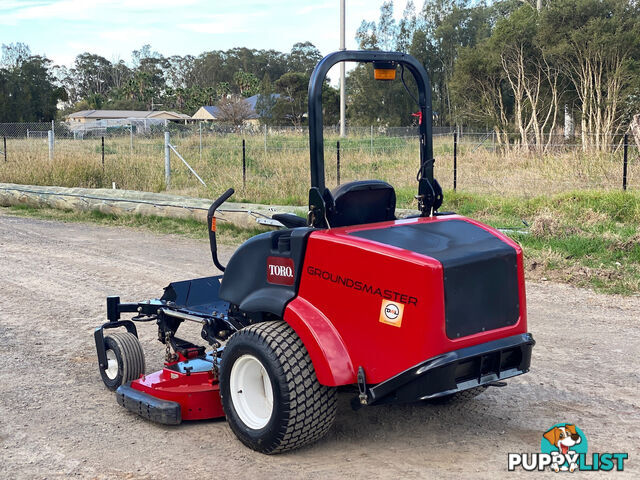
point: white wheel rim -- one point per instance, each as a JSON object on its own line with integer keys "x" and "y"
{"x": 251, "y": 392}
{"x": 112, "y": 365}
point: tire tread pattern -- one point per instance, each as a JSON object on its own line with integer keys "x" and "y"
{"x": 311, "y": 406}
{"x": 133, "y": 364}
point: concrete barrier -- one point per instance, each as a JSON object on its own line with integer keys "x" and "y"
{"x": 131, "y": 202}
{"x": 121, "y": 202}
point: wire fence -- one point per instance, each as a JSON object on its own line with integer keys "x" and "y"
{"x": 271, "y": 163}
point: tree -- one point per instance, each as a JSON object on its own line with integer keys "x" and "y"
{"x": 14, "y": 55}
{"x": 304, "y": 57}
{"x": 406, "y": 28}
{"x": 478, "y": 90}
{"x": 234, "y": 111}
{"x": 27, "y": 91}
{"x": 292, "y": 103}
{"x": 530, "y": 74}
{"x": 91, "y": 75}
{"x": 597, "y": 43}
{"x": 266, "y": 101}
{"x": 247, "y": 84}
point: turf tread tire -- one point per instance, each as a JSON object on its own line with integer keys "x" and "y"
{"x": 130, "y": 357}
{"x": 306, "y": 409}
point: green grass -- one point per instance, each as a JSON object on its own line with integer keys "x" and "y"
{"x": 589, "y": 238}
{"x": 228, "y": 233}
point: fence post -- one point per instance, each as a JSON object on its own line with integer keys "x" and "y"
{"x": 50, "y": 138}
{"x": 102, "y": 153}
{"x": 244, "y": 165}
{"x": 265, "y": 138}
{"x": 200, "y": 125}
{"x": 4, "y": 147}
{"x": 624, "y": 162}
{"x": 455, "y": 161}
{"x": 338, "y": 161}
{"x": 167, "y": 161}
{"x": 371, "y": 140}
{"x": 131, "y": 143}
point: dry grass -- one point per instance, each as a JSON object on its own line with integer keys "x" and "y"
{"x": 281, "y": 174}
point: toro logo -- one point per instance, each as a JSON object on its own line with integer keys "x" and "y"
{"x": 280, "y": 270}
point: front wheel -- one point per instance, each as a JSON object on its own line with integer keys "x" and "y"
{"x": 125, "y": 359}
{"x": 270, "y": 394}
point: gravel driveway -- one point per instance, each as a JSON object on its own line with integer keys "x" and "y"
{"x": 58, "y": 421}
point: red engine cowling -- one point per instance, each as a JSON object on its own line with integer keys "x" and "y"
{"x": 388, "y": 296}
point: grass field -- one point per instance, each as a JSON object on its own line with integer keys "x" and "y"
{"x": 280, "y": 175}
{"x": 589, "y": 239}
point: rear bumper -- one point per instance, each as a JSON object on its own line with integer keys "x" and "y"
{"x": 456, "y": 371}
{"x": 149, "y": 407}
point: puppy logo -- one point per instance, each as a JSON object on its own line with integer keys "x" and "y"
{"x": 391, "y": 313}
{"x": 564, "y": 442}
{"x": 564, "y": 449}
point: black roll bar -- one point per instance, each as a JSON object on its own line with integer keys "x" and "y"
{"x": 316, "y": 140}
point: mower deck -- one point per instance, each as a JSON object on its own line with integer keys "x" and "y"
{"x": 186, "y": 390}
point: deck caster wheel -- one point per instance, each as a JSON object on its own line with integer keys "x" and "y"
{"x": 125, "y": 359}
{"x": 270, "y": 394}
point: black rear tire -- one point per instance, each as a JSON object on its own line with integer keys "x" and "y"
{"x": 125, "y": 350}
{"x": 303, "y": 410}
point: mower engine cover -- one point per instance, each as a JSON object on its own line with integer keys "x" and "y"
{"x": 389, "y": 296}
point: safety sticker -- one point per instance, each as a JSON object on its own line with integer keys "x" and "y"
{"x": 391, "y": 313}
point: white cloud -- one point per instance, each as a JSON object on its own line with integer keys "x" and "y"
{"x": 130, "y": 35}
{"x": 321, "y": 6}
{"x": 17, "y": 11}
{"x": 223, "y": 23}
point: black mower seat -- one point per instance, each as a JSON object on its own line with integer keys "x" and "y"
{"x": 362, "y": 201}
{"x": 289, "y": 220}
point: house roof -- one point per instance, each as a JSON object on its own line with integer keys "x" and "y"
{"x": 212, "y": 110}
{"x": 114, "y": 114}
{"x": 252, "y": 101}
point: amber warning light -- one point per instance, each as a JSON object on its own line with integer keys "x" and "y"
{"x": 384, "y": 70}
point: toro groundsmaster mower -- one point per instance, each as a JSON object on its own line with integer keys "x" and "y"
{"x": 421, "y": 308}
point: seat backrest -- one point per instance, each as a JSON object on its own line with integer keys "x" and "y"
{"x": 362, "y": 201}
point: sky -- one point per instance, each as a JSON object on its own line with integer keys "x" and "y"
{"x": 62, "y": 29}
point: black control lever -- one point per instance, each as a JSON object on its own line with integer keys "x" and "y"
{"x": 211, "y": 225}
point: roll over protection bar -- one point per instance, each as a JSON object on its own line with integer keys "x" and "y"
{"x": 429, "y": 193}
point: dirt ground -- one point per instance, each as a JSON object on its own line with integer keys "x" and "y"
{"x": 57, "y": 420}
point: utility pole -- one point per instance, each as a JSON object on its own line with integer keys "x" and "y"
{"x": 343, "y": 105}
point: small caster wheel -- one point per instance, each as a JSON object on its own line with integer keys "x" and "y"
{"x": 125, "y": 359}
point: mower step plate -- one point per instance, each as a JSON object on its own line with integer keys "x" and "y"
{"x": 149, "y": 407}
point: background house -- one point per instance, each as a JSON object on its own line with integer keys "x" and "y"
{"x": 85, "y": 116}
{"x": 207, "y": 112}
{"x": 212, "y": 112}
{"x": 100, "y": 122}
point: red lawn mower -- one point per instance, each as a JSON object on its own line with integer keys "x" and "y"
{"x": 428, "y": 307}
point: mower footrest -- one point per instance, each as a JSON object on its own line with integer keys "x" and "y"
{"x": 149, "y": 407}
